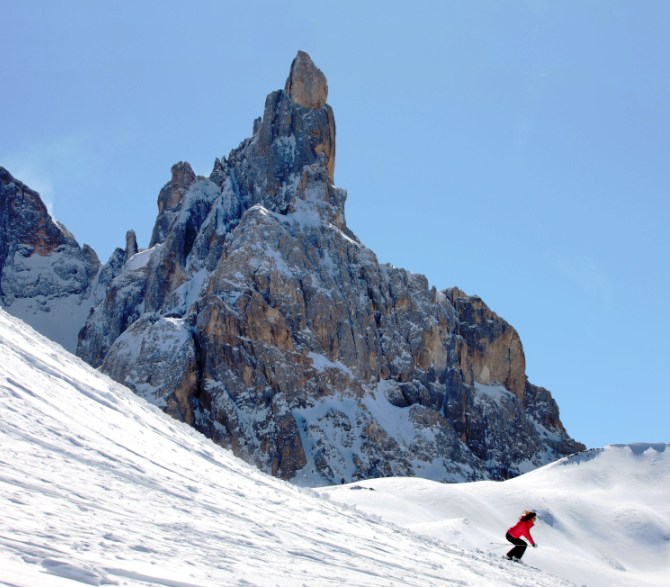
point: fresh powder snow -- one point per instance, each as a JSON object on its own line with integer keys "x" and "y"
{"x": 100, "y": 488}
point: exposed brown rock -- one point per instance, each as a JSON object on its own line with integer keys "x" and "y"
{"x": 182, "y": 178}
{"x": 492, "y": 352}
{"x": 306, "y": 84}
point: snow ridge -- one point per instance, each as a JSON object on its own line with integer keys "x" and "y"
{"x": 604, "y": 517}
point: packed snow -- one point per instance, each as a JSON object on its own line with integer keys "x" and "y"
{"x": 100, "y": 488}
{"x": 604, "y": 515}
{"x": 141, "y": 259}
{"x": 321, "y": 363}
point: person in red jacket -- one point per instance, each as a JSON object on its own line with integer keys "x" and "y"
{"x": 514, "y": 534}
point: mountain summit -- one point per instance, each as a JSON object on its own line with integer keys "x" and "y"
{"x": 259, "y": 318}
{"x": 306, "y": 85}
{"x": 46, "y": 278}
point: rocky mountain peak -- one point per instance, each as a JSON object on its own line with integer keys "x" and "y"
{"x": 170, "y": 199}
{"x": 182, "y": 177}
{"x": 25, "y": 218}
{"x": 46, "y": 278}
{"x": 306, "y": 84}
{"x": 295, "y": 133}
{"x": 259, "y": 318}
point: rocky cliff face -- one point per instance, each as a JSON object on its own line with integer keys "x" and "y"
{"x": 259, "y": 318}
{"x": 46, "y": 278}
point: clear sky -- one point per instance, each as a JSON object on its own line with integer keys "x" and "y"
{"x": 519, "y": 150}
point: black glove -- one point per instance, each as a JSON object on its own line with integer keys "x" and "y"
{"x": 535, "y": 545}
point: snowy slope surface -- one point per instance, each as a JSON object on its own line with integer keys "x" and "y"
{"x": 604, "y": 515}
{"x": 100, "y": 488}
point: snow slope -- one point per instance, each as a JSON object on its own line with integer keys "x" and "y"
{"x": 99, "y": 488}
{"x": 604, "y": 515}
{"x": 49, "y": 292}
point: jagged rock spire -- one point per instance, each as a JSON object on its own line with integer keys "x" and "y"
{"x": 170, "y": 198}
{"x": 306, "y": 84}
{"x": 131, "y": 244}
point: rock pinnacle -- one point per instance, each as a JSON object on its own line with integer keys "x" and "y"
{"x": 306, "y": 84}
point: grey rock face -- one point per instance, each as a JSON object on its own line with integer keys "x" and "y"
{"x": 258, "y": 317}
{"x": 131, "y": 245}
{"x": 46, "y": 278}
{"x": 170, "y": 199}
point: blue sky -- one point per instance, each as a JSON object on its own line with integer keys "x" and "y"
{"x": 518, "y": 150}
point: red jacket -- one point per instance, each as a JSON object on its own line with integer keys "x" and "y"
{"x": 522, "y": 528}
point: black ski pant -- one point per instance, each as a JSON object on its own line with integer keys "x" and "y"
{"x": 519, "y": 549}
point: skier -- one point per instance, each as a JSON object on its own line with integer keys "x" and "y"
{"x": 522, "y": 528}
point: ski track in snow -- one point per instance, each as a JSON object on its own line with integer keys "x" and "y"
{"x": 100, "y": 488}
